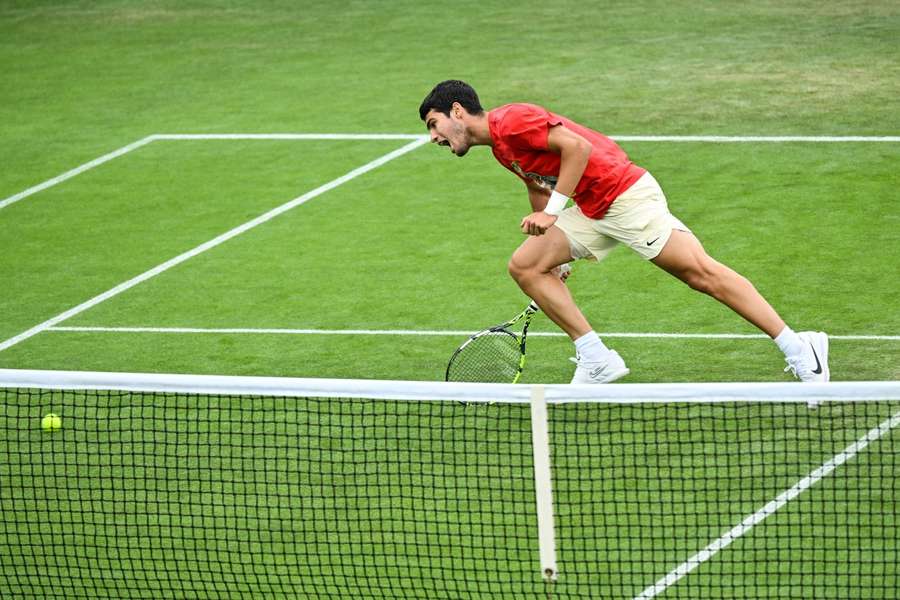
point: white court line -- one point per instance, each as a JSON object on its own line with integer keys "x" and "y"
{"x": 426, "y": 332}
{"x": 754, "y": 139}
{"x": 76, "y": 171}
{"x": 768, "y": 510}
{"x": 210, "y": 244}
{"x": 288, "y": 136}
{"x": 715, "y": 139}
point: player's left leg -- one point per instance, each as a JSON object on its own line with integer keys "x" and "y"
{"x": 684, "y": 257}
{"x": 640, "y": 218}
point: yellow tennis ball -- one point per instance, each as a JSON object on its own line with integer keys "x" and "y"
{"x": 51, "y": 422}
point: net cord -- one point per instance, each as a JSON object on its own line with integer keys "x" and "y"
{"x": 462, "y": 392}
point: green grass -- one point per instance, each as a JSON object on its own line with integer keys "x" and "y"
{"x": 422, "y": 242}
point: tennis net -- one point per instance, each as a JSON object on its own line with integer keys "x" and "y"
{"x": 165, "y": 486}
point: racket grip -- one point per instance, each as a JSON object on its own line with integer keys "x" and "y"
{"x": 533, "y": 307}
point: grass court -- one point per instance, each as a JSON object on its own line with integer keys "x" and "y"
{"x": 392, "y": 251}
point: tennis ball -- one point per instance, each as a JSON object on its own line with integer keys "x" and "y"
{"x": 51, "y": 422}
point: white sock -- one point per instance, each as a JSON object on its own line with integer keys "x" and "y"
{"x": 789, "y": 342}
{"x": 590, "y": 348}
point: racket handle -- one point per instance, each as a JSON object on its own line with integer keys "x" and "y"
{"x": 533, "y": 307}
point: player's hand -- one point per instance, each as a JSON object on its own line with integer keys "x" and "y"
{"x": 537, "y": 223}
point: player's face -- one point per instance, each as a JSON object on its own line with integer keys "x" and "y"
{"x": 448, "y": 131}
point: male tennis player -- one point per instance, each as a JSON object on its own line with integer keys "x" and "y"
{"x": 616, "y": 202}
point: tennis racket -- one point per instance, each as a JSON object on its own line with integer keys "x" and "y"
{"x": 494, "y": 355}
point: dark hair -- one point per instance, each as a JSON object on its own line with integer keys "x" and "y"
{"x": 446, "y": 93}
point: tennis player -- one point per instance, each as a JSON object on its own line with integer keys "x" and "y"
{"x": 615, "y": 202}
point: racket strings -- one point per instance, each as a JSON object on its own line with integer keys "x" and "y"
{"x": 491, "y": 358}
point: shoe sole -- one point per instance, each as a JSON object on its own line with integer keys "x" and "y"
{"x": 617, "y": 375}
{"x": 608, "y": 379}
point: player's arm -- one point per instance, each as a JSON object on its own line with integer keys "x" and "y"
{"x": 537, "y": 195}
{"x": 574, "y": 151}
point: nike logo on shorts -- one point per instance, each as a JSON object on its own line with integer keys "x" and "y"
{"x": 653, "y": 241}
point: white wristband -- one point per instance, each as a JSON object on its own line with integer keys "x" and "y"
{"x": 556, "y": 204}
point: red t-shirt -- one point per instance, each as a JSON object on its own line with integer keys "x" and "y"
{"x": 519, "y": 133}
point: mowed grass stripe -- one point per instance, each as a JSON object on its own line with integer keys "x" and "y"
{"x": 203, "y": 136}
{"x": 409, "y": 136}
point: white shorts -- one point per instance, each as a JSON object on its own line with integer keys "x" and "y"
{"x": 639, "y": 218}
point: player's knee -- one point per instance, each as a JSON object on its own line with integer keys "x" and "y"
{"x": 701, "y": 281}
{"x": 708, "y": 278}
{"x": 519, "y": 269}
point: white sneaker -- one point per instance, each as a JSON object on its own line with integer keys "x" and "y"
{"x": 812, "y": 365}
{"x": 609, "y": 369}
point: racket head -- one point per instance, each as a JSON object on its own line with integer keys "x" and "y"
{"x": 491, "y": 356}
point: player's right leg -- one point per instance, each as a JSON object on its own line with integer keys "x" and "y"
{"x": 532, "y": 266}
